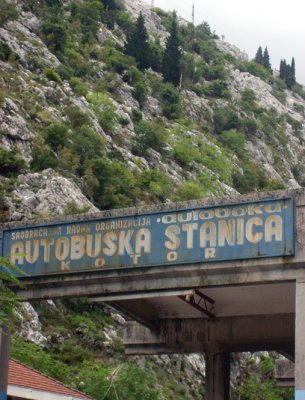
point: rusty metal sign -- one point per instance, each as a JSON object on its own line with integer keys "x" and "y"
{"x": 199, "y": 235}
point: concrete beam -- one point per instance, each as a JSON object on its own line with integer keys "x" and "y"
{"x": 124, "y": 282}
{"x": 268, "y": 332}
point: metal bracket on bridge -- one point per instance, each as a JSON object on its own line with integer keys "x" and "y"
{"x": 205, "y": 304}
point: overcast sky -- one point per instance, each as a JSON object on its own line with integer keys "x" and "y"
{"x": 277, "y": 24}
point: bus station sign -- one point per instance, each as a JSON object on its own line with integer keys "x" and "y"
{"x": 199, "y": 235}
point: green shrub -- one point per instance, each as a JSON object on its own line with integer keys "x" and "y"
{"x": 34, "y": 356}
{"x": 148, "y": 135}
{"x": 249, "y": 126}
{"x": 298, "y": 89}
{"x": 156, "y": 183}
{"x": 11, "y": 162}
{"x": 116, "y": 184}
{"x": 209, "y": 51}
{"x": 133, "y": 75}
{"x": 43, "y": 158}
{"x": 234, "y": 140}
{"x": 299, "y": 108}
{"x": 279, "y": 94}
{"x": 8, "y": 12}
{"x": 218, "y": 88}
{"x": 140, "y": 92}
{"x": 87, "y": 144}
{"x": 216, "y": 161}
{"x": 78, "y": 86}
{"x": 56, "y": 136}
{"x": 73, "y": 353}
{"x": 184, "y": 151}
{"x": 225, "y": 119}
{"x": 188, "y": 67}
{"x": 155, "y": 56}
{"x": 214, "y": 72}
{"x": 189, "y": 190}
{"x": 77, "y": 117}
{"x": 5, "y": 51}
{"x": 128, "y": 382}
{"x": 124, "y": 21}
{"x": 54, "y": 32}
{"x": 136, "y": 115}
{"x": 248, "y": 100}
{"x": 295, "y": 124}
{"x": 123, "y": 121}
{"x": 104, "y": 109}
{"x": 156, "y": 84}
{"x": 115, "y": 60}
{"x": 192, "y": 69}
{"x": 269, "y": 124}
{"x": 64, "y": 72}
{"x": 252, "y": 178}
{"x": 88, "y": 15}
{"x": 51, "y": 75}
{"x": 170, "y": 99}
{"x": 80, "y": 65}
{"x": 255, "y": 69}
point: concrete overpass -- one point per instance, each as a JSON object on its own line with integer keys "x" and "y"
{"x": 233, "y": 276}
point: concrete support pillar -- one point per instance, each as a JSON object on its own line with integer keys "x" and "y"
{"x": 217, "y": 386}
{"x": 300, "y": 341}
{"x": 4, "y": 360}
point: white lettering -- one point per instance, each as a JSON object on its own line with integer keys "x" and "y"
{"x": 172, "y": 233}
{"x": 189, "y": 229}
{"x": 274, "y": 227}
{"x": 251, "y": 235}
{"x": 143, "y": 241}
{"x": 208, "y": 234}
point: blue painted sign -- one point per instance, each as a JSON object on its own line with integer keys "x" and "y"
{"x": 199, "y": 235}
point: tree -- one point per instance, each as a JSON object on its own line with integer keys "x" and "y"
{"x": 8, "y": 300}
{"x": 266, "y": 60}
{"x": 293, "y": 78}
{"x": 287, "y": 73}
{"x": 283, "y": 66}
{"x": 137, "y": 44}
{"x": 172, "y": 55}
{"x": 263, "y": 58}
{"x": 259, "y": 56}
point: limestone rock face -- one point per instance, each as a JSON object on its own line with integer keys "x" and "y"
{"x": 25, "y": 42}
{"x": 45, "y": 194}
{"x": 14, "y": 129}
{"x": 231, "y": 49}
{"x": 197, "y": 108}
{"x": 152, "y": 20}
{"x": 30, "y": 326}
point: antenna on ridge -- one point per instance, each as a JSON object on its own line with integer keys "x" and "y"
{"x": 152, "y": 8}
{"x": 193, "y": 14}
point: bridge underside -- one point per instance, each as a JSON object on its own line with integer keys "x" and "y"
{"x": 239, "y": 318}
{"x": 222, "y": 310}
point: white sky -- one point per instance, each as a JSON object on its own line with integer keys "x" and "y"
{"x": 248, "y": 24}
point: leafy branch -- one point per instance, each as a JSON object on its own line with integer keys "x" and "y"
{"x": 8, "y": 299}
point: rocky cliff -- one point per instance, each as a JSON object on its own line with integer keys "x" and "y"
{"x": 82, "y": 129}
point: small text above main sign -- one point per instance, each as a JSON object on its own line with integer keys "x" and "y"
{"x": 221, "y": 233}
